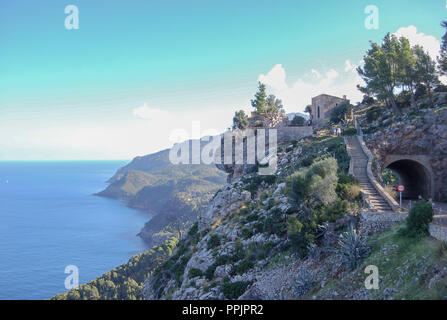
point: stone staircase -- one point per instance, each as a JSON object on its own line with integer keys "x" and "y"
{"x": 359, "y": 161}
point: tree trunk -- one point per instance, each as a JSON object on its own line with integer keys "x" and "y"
{"x": 430, "y": 98}
{"x": 413, "y": 100}
{"x": 393, "y": 103}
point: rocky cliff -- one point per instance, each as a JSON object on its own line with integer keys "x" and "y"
{"x": 412, "y": 144}
{"x": 173, "y": 194}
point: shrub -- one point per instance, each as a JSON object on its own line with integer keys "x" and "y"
{"x": 419, "y": 218}
{"x": 209, "y": 273}
{"x": 213, "y": 242}
{"x": 318, "y": 181}
{"x": 194, "y": 272}
{"x": 347, "y": 191}
{"x": 367, "y": 100}
{"x": 298, "y": 121}
{"x": 352, "y": 248}
{"x": 335, "y": 210}
{"x": 350, "y": 131}
{"x": 293, "y": 226}
{"x": 246, "y": 233}
{"x": 341, "y": 112}
{"x": 243, "y": 266}
{"x": 222, "y": 259}
{"x": 373, "y": 114}
{"x": 421, "y": 90}
{"x": 305, "y": 281}
{"x": 253, "y": 183}
{"x": 233, "y": 290}
{"x": 193, "y": 229}
{"x": 403, "y": 100}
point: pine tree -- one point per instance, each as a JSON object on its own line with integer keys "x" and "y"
{"x": 260, "y": 102}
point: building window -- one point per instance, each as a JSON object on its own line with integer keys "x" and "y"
{"x": 318, "y": 112}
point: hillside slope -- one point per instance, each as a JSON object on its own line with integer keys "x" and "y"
{"x": 174, "y": 194}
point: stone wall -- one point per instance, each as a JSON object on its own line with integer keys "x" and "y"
{"x": 287, "y": 134}
{"x": 438, "y": 232}
{"x": 372, "y": 222}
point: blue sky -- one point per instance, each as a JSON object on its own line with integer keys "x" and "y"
{"x": 136, "y": 70}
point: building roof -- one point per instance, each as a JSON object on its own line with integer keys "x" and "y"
{"x": 327, "y": 95}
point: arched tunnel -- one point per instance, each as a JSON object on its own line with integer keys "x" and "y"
{"x": 416, "y": 178}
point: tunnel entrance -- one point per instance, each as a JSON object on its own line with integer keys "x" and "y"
{"x": 414, "y": 176}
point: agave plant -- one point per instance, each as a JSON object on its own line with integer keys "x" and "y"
{"x": 352, "y": 248}
{"x": 305, "y": 281}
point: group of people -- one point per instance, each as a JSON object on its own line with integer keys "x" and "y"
{"x": 429, "y": 200}
{"x": 337, "y": 131}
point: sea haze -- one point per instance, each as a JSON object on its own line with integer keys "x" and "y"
{"x": 49, "y": 219}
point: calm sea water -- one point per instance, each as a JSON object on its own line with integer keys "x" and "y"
{"x": 49, "y": 220}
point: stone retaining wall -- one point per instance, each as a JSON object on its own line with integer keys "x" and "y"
{"x": 438, "y": 232}
{"x": 373, "y": 222}
{"x": 286, "y": 134}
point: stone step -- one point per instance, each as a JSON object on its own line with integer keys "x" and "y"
{"x": 360, "y": 163}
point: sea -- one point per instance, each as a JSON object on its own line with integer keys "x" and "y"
{"x": 52, "y": 226}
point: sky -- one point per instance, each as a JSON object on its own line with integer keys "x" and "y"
{"x": 135, "y": 71}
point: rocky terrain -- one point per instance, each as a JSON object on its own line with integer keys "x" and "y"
{"x": 246, "y": 244}
{"x": 421, "y": 132}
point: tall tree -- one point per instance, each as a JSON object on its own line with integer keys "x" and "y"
{"x": 426, "y": 70}
{"x": 260, "y": 101}
{"x": 442, "y": 59}
{"x": 408, "y": 76}
{"x": 381, "y": 70}
{"x": 308, "y": 109}
{"x": 273, "y": 104}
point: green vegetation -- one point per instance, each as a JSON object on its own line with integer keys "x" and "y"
{"x": 316, "y": 182}
{"x": 264, "y": 104}
{"x": 213, "y": 242}
{"x": 240, "y": 120}
{"x": 394, "y": 64}
{"x": 298, "y": 121}
{"x": 342, "y": 112}
{"x": 253, "y": 183}
{"x": 406, "y": 267}
{"x": 194, "y": 272}
{"x": 233, "y": 290}
{"x": 419, "y": 218}
{"x": 124, "y": 282}
{"x": 352, "y": 248}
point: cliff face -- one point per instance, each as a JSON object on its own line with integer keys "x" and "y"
{"x": 413, "y": 144}
{"x": 242, "y": 244}
{"x": 258, "y": 239}
{"x": 174, "y": 194}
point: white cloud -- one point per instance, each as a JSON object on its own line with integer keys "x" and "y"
{"x": 430, "y": 43}
{"x": 349, "y": 67}
{"x": 145, "y": 112}
{"x": 275, "y": 78}
{"x": 299, "y": 94}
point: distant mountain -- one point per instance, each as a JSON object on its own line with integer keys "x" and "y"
{"x": 174, "y": 194}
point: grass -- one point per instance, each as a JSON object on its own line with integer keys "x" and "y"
{"x": 405, "y": 264}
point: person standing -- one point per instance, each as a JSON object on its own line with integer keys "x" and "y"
{"x": 339, "y": 132}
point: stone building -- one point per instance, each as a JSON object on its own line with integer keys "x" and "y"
{"x": 322, "y": 105}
